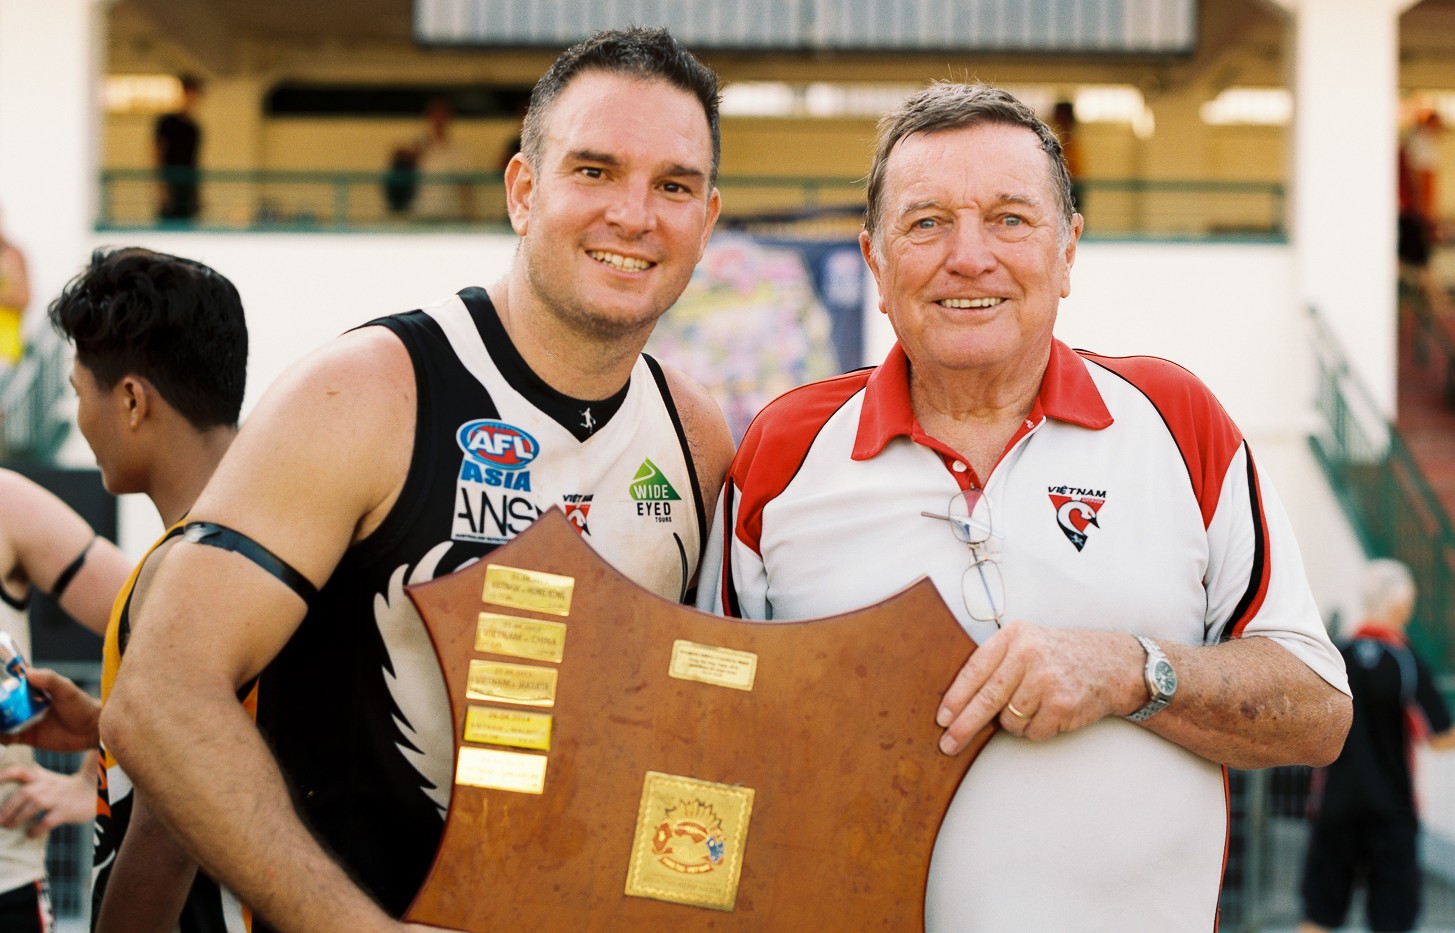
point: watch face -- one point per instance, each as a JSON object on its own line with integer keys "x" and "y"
{"x": 1164, "y": 677}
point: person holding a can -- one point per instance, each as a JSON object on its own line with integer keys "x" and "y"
{"x": 44, "y": 545}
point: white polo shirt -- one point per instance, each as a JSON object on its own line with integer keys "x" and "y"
{"x": 1127, "y": 501}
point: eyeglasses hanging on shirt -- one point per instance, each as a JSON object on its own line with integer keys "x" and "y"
{"x": 982, "y": 586}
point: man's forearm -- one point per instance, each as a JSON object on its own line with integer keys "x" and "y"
{"x": 149, "y": 880}
{"x": 206, "y": 772}
{"x": 1249, "y": 703}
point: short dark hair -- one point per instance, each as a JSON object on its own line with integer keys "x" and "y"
{"x": 172, "y": 321}
{"x": 947, "y": 105}
{"x": 646, "y": 53}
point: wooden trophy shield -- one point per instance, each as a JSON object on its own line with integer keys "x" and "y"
{"x": 628, "y": 763}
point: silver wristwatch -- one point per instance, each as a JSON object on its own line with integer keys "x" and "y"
{"x": 1161, "y": 680}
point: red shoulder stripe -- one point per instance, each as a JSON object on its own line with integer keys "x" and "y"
{"x": 778, "y": 440}
{"x": 1206, "y": 436}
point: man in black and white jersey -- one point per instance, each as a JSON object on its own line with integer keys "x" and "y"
{"x": 402, "y": 451}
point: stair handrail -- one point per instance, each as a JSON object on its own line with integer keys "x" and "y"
{"x": 34, "y": 421}
{"x": 1388, "y": 500}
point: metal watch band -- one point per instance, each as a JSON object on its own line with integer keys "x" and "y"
{"x": 1158, "y": 700}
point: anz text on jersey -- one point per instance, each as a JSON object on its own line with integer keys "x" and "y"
{"x": 490, "y": 514}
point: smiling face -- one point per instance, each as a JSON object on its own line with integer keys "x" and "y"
{"x": 972, "y": 262}
{"x": 617, "y": 215}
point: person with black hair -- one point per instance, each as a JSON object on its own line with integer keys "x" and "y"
{"x": 160, "y": 370}
{"x": 382, "y": 460}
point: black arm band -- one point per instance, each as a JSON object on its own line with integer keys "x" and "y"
{"x": 215, "y": 535}
{"x": 58, "y": 588}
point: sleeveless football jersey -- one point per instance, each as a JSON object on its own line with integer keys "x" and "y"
{"x": 209, "y": 908}
{"x": 355, "y": 705}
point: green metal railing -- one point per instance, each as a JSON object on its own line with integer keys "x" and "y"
{"x": 1195, "y": 209}
{"x": 33, "y": 422}
{"x": 1388, "y": 501}
{"x": 256, "y": 199}
{"x": 1176, "y": 209}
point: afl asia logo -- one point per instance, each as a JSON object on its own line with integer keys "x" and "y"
{"x": 497, "y": 444}
{"x": 1076, "y": 511}
{"x": 493, "y": 501}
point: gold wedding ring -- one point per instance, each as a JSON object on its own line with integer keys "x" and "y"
{"x": 1010, "y": 707}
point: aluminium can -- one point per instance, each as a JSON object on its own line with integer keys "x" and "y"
{"x": 21, "y": 705}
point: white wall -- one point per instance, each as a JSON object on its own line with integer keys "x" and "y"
{"x": 301, "y": 290}
{"x": 48, "y": 68}
{"x": 1230, "y": 314}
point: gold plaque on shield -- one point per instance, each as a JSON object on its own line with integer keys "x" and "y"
{"x": 535, "y": 590}
{"x": 533, "y": 639}
{"x": 689, "y": 841}
{"x": 710, "y": 664}
{"x": 521, "y": 684}
{"x": 499, "y": 770}
{"x": 517, "y": 728}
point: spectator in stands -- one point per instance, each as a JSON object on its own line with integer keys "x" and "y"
{"x": 177, "y": 141}
{"x": 444, "y": 193}
{"x": 401, "y": 184}
{"x": 1063, "y": 121}
{"x": 44, "y": 544}
{"x": 1418, "y": 166}
{"x": 1365, "y": 825}
{"x": 14, "y": 296}
{"x": 1422, "y": 151}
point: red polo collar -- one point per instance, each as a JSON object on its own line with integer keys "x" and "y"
{"x": 1067, "y": 394}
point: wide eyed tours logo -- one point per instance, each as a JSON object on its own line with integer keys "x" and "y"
{"x": 652, "y": 492}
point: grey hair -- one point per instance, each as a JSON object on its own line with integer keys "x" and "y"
{"x": 1387, "y": 583}
{"x": 949, "y": 105}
